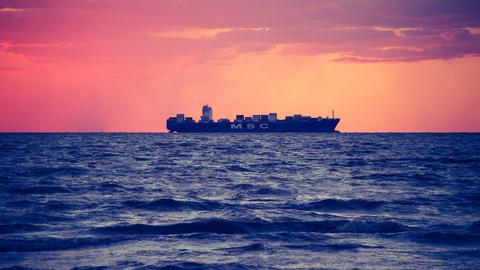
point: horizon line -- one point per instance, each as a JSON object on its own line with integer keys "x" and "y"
{"x": 167, "y": 132}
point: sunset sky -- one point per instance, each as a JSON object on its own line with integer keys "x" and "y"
{"x": 126, "y": 65}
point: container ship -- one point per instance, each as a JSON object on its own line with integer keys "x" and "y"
{"x": 254, "y": 123}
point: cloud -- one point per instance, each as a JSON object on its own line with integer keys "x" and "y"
{"x": 199, "y": 33}
{"x": 473, "y": 30}
{"x": 373, "y": 30}
{"x": 10, "y": 10}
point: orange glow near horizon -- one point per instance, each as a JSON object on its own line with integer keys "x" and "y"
{"x": 114, "y": 75}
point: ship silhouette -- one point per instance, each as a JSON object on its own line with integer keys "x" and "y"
{"x": 255, "y": 123}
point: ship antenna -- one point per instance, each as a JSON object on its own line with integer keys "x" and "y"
{"x": 333, "y": 114}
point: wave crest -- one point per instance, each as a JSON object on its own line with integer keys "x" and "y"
{"x": 167, "y": 205}
{"x": 447, "y": 238}
{"x": 51, "y": 243}
{"x": 341, "y": 205}
{"x": 221, "y": 226}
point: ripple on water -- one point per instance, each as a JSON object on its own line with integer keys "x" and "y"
{"x": 239, "y": 201}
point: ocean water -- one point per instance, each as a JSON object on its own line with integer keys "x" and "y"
{"x": 242, "y": 201}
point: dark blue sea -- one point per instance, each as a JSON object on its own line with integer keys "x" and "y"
{"x": 243, "y": 201}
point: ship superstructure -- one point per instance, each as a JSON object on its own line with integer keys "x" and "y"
{"x": 255, "y": 123}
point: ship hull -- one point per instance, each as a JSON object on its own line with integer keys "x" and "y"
{"x": 322, "y": 125}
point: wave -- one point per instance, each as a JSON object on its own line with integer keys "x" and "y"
{"x": 187, "y": 144}
{"x": 17, "y": 227}
{"x": 340, "y": 205}
{"x": 20, "y": 203}
{"x": 222, "y": 226}
{"x": 52, "y": 205}
{"x": 111, "y": 186}
{"x": 354, "y": 163}
{"x": 158, "y": 169}
{"x": 260, "y": 190}
{"x": 195, "y": 266}
{"x": 475, "y": 227}
{"x": 247, "y": 248}
{"x": 18, "y": 267}
{"x": 102, "y": 267}
{"x": 244, "y": 186}
{"x": 52, "y": 243}
{"x": 170, "y": 205}
{"x": 141, "y": 158}
{"x": 271, "y": 191}
{"x": 58, "y": 206}
{"x": 49, "y": 171}
{"x": 104, "y": 154}
{"x": 38, "y": 190}
{"x": 237, "y": 168}
{"x": 451, "y": 160}
{"x": 40, "y": 218}
{"x": 446, "y": 238}
{"x": 329, "y": 247}
{"x": 382, "y": 177}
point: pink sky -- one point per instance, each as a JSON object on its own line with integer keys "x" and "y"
{"x": 126, "y": 65}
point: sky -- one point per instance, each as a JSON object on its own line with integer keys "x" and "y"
{"x": 127, "y": 65}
